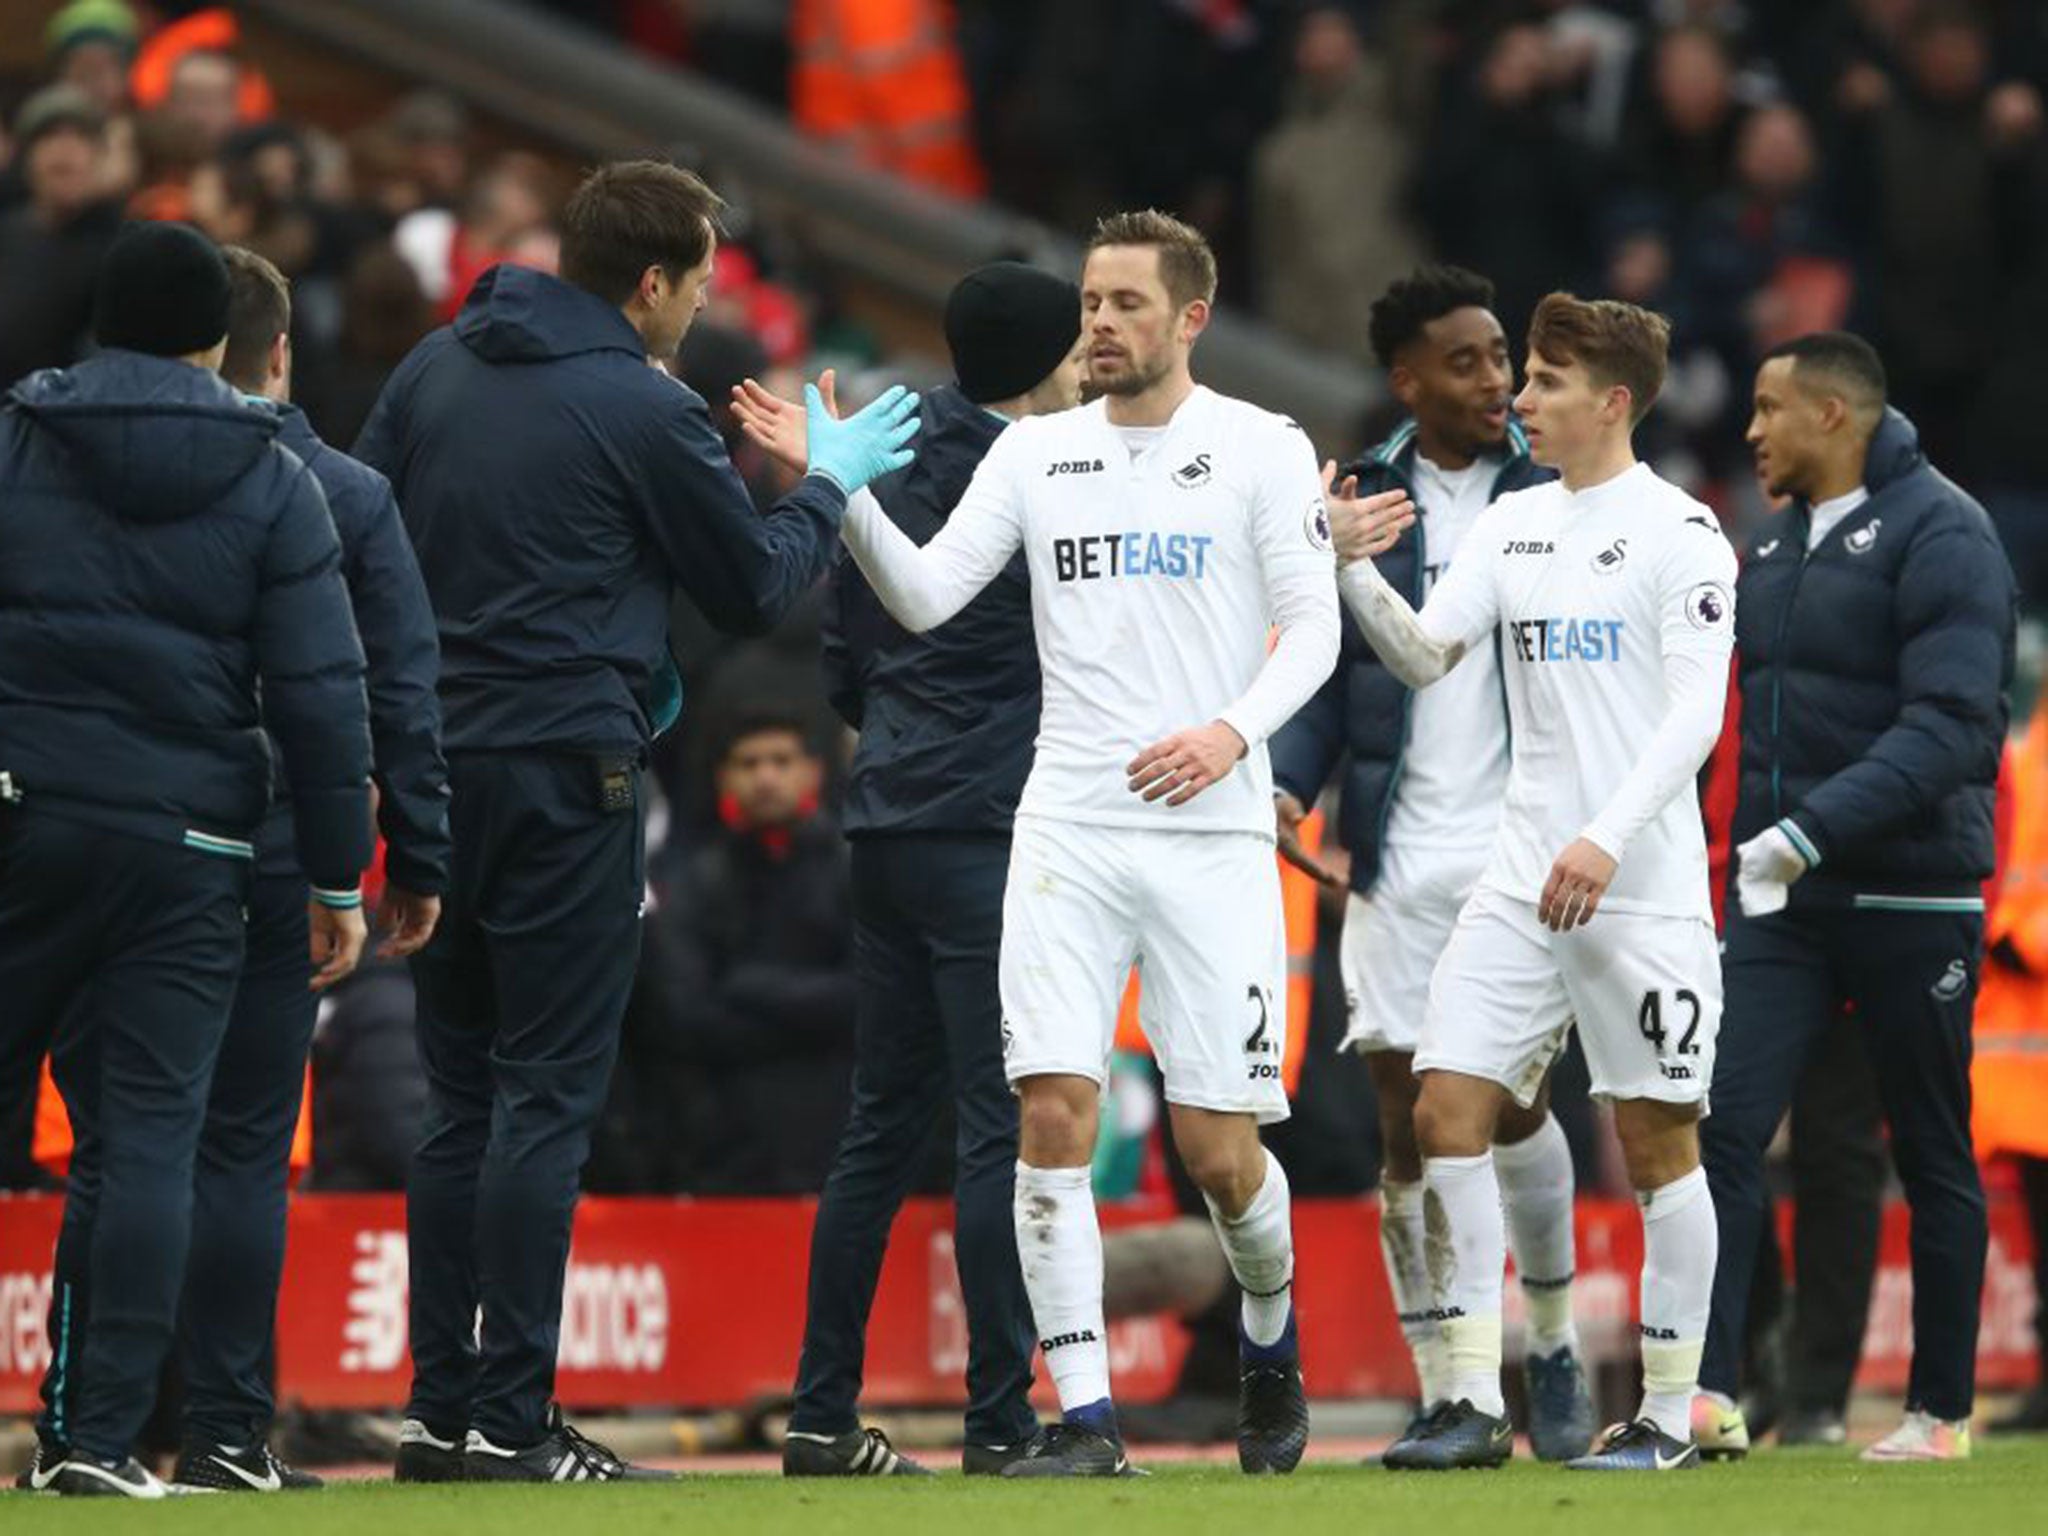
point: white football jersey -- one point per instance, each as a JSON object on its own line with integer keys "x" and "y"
{"x": 1592, "y": 592}
{"x": 1155, "y": 578}
{"x": 1455, "y": 764}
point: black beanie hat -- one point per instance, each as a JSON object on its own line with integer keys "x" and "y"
{"x": 163, "y": 289}
{"x": 1009, "y": 325}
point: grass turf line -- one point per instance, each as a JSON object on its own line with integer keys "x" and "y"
{"x": 1799, "y": 1493}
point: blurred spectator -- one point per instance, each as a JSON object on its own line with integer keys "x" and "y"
{"x": 369, "y": 1094}
{"x": 1947, "y": 162}
{"x": 1327, "y": 230}
{"x": 91, "y": 44}
{"x": 432, "y": 134}
{"x": 1502, "y": 188}
{"x": 882, "y": 80}
{"x": 749, "y": 961}
{"x": 203, "y": 94}
{"x": 384, "y": 313}
{"x": 504, "y": 217}
{"x": 1680, "y": 142}
{"x": 1760, "y": 264}
{"x": 51, "y": 245}
{"x": 209, "y": 30}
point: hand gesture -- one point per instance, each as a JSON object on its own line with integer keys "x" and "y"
{"x": 407, "y": 920}
{"x": 1578, "y": 880}
{"x": 1186, "y": 763}
{"x": 1362, "y": 527}
{"x": 1288, "y": 815}
{"x": 337, "y": 942}
{"x": 778, "y": 426}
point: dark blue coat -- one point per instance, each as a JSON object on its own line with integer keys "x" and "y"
{"x": 159, "y": 554}
{"x": 1875, "y": 675}
{"x": 947, "y": 718}
{"x": 396, "y": 626}
{"x": 556, "y": 488}
{"x": 1362, "y": 709}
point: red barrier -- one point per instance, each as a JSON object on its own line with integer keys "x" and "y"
{"x": 701, "y": 1302}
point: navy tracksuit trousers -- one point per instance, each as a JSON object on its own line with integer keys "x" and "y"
{"x": 522, "y": 991}
{"x": 928, "y": 910}
{"x": 1911, "y": 977}
{"x": 228, "y": 1318}
{"x": 120, "y": 955}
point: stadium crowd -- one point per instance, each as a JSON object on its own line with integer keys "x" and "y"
{"x": 1755, "y": 171}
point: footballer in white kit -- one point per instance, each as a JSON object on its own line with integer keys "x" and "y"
{"x": 1611, "y": 593}
{"x": 1169, "y": 533}
{"x": 1423, "y": 774}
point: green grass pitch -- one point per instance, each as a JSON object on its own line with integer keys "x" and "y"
{"x": 2002, "y": 1492}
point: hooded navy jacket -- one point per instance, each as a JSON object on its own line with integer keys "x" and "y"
{"x": 1363, "y": 708}
{"x": 1875, "y": 674}
{"x": 159, "y": 554}
{"x": 396, "y": 626}
{"x": 556, "y": 487}
{"x": 947, "y": 718}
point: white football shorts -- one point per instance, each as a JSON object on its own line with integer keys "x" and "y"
{"x": 1198, "y": 913}
{"x": 1645, "y": 990}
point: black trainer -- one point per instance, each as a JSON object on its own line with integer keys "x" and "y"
{"x": 425, "y": 1457}
{"x": 1272, "y": 1407}
{"x": 1455, "y": 1437}
{"x": 990, "y": 1460}
{"x": 857, "y": 1453}
{"x": 564, "y": 1456}
{"x": 251, "y": 1469}
{"x": 1070, "y": 1450}
{"x": 43, "y": 1466}
{"x": 82, "y": 1476}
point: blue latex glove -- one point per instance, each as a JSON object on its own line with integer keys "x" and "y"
{"x": 866, "y": 445}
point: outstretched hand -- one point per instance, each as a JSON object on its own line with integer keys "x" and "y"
{"x": 1364, "y": 526}
{"x": 779, "y": 427}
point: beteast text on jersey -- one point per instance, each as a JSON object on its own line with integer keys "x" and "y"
{"x": 1566, "y": 639}
{"x": 1097, "y": 555}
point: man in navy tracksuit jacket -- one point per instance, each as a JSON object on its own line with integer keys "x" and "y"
{"x": 160, "y": 555}
{"x": 1874, "y": 636}
{"x": 238, "y": 1220}
{"x": 946, "y": 720}
{"x": 557, "y": 488}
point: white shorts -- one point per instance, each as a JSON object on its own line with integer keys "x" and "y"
{"x": 1198, "y": 913}
{"x": 1392, "y": 940}
{"x": 1646, "y": 992}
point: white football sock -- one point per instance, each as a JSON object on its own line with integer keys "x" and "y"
{"x": 1536, "y": 1187}
{"x": 1059, "y": 1244}
{"x": 1681, "y": 1243}
{"x": 1408, "y": 1278}
{"x": 1260, "y": 1247}
{"x": 1465, "y": 1244}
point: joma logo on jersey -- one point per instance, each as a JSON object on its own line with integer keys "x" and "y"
{"x": 1528, "y": 547}
{"x": 1073, "y": 467}
{"x": 1107, "y": 556}
{"x": 1566, "y": 639}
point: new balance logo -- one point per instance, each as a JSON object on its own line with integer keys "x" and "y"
{"x": 1062, "y": 1340}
